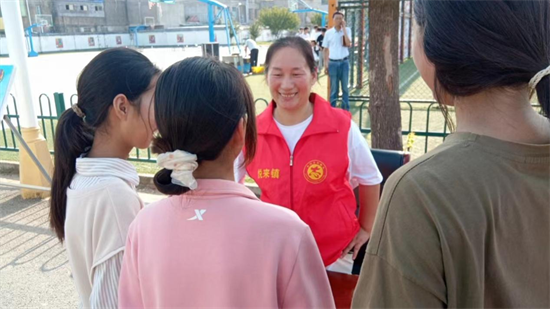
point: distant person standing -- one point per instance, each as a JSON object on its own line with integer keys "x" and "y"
{"x": 301, "y": 33}
{"x": 315, "y": 50}
{"x": 304, "y": 33}
{"x": 307, "y": 34}
{"x": 319, "y": 40}
{"x": 336, "y": 43}
{"x": 253, "y": 46}
{"x": 316, "y": 32}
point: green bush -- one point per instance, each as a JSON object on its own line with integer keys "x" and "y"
{"x": 278, "y": 19}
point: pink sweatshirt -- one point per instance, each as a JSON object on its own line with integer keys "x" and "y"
{"x": 220, "y": 247}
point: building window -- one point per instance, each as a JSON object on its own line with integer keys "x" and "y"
{"x": 98, "y": 8}
{"x": 83, "y": 7}
{"x": 69, "y": 7}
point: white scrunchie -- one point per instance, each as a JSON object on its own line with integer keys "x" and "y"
{"x": 536, "y": 79}
{"x": 182, "y": 164}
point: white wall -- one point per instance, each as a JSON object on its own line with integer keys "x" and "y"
{"x": 265, "y": 35}
{"x": 111, "y": 40}
{"x": 49, "y": 43}
{"x": 43, "y": 44}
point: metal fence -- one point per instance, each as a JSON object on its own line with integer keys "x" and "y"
{"x": 50, "y": 109}
{"x": 415, "y": 121}
{"x": 423, "y": 125}
{"x": 10, "y": 144}
{"x": 411, "y": 86}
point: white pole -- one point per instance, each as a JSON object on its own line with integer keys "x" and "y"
{"x": 247, "y": 13}
{"x": 28, "y": 12}
{"x": 17, "y": 50}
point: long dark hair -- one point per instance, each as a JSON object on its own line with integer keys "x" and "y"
{"x": 112, "y": 72}
{"x": 198, "y": 104}
{"x": 480, "y": 45}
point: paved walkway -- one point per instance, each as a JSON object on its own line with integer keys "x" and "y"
{"x": 34, "y": 270}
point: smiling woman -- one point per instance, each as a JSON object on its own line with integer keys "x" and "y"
{"x": 294, "y": 167}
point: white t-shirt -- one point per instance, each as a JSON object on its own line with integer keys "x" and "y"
{"x": 304, "y": 36}
{"x": 362, "y": 169}
{"x": 334, "y": 42}
{"x": 251, "y": 44}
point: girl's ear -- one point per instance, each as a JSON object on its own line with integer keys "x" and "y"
{"x": 121, "y": 107}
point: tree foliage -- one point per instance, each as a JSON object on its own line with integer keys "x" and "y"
{"x": 255, "y": 30}
{"x": 317, "y": 19}
{"x": 278, "y": 19}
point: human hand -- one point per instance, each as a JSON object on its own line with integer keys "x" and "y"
{"x": 358, "y": 241}
{"x": 326, "y": 71}
{"x": 344, "y": 24}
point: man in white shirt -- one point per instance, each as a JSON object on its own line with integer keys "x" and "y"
{"x": 300, "y": 33}
{"x": 336, "y": 43}
{"x": 316, "y": 33}
{"x": 253, "y": 46}
{"x": 307, "y": 34}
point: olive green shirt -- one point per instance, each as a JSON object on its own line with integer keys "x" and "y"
{"x": 466, "y": 225}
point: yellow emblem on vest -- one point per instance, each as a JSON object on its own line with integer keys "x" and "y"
{"x": 315, "y": 171}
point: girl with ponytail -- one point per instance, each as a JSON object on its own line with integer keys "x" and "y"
{"x": 93, "y": 197}
{"x": 213, "y": 243}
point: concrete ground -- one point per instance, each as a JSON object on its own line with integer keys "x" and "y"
{"x": 34, "y": 269}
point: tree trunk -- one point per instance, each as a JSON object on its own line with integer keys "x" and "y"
{"x": 384, "y": 108}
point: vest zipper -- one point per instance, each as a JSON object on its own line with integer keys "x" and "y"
{"x": 291, "y": 184}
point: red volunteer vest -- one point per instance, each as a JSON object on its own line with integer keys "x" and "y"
{"x": 313, "y": 181}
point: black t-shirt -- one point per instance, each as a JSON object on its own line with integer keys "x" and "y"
{"x": 320, "y": 39}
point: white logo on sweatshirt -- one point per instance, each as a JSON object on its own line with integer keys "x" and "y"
{"x": 198, "y": 215}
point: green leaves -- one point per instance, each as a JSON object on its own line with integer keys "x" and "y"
{"x": 254, "y": 30}
{"x": 278, "y": 19}
{"x": 317, "y": 19}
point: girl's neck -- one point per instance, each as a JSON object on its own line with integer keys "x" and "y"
{"x": 217, "y": 169}
{"x": 293, "y": 117}
{"x": 108, "y": 146}
{"x": 504, "y": 115}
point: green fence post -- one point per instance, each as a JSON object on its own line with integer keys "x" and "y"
{"x": 59, "y": 103}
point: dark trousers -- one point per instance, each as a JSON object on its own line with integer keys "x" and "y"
{"x": 253, "y": 58}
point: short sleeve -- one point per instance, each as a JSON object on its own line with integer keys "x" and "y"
{"x": 326, "y": 39}
{"x": 403, "y": 265}
{"x": 113, "y": 220}
{"x": 363, "y": 169}
{"x": 385, "y": 287}
{"x": 348, "y": 31}
{"x": 308, "y": 286}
